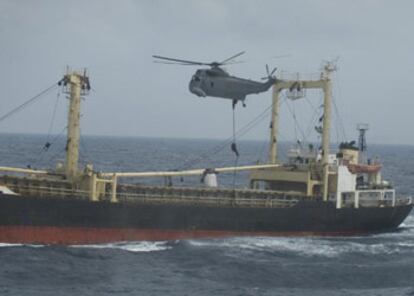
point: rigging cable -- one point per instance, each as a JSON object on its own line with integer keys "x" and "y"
{"x": 58, "y": 152}
{"x": 245, "y": 129}
{"x": 27, "y": 103}
{"x": 296, "y": 123}
{"x": 48, "y": 142}
{"x": 263, "y": 153}
{"x": 52, "y": 121}
{"x": 83, "y": 152}
{"x": 315, "y": 118}
{"x": 53, "y": 140}
{"x": 341, "y": 122}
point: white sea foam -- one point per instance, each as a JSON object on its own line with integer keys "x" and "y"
{"x": 408, "y": 222}
{"x": 8, "y": 245}
{"x": 142, "y": 246}
{"x": 404, "y": 233}
{"x": 5, "y": 245}
{"x": 301, "y": 246}
{"x": 406, "y": 244}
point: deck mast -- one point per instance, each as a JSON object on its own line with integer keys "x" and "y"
{"x": 323, "y": 83}
{"x": 76, "y": 85}
{"x": 274, "y": 124}
{"x": 327, "y": 89}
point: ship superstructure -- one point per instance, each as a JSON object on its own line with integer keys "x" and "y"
{"x": 314, "y": 193}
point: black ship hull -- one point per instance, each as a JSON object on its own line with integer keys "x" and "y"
{"x": 71, "y": 221}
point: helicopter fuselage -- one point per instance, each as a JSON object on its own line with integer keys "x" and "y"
{"x": 216, "y": 82}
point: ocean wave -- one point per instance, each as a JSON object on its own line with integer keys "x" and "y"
{"x": 142, "y": 246}
{"x": 404, "y": 232}
{"x": 301, "y": 246}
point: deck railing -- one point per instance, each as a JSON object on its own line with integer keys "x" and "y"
{"x": 159, "y": 195}
{"x": 371, "y": 198}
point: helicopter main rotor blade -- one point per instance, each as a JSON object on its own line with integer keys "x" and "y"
{"x": 232, "y": 57}
{"x": 179, "y": 61}
{"x": 235, "y": 62}
{"x": 173, "y": 63}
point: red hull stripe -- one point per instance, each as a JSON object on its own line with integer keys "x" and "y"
{"x": 80, "y": 235}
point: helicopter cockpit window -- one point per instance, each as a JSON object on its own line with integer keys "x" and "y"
{"x": 210, "y": 73}
{"x": 196, "y": 78}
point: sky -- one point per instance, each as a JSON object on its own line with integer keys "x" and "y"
{"x": 372, "y": 42}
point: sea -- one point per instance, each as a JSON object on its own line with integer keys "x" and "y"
{"x": 377, "y": 264}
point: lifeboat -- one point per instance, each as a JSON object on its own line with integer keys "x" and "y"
{"x": 364, "y": 168}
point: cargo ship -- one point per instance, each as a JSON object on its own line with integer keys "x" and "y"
{"x": 315, "y": 192}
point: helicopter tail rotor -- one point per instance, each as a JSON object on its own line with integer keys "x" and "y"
{"x": 269, "y": 73}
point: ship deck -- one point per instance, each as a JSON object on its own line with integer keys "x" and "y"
{"x": 138, "y": 193}
{"x": 145, "y": 194}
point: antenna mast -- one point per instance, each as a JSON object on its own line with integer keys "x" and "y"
{"x": 362, "y": 142}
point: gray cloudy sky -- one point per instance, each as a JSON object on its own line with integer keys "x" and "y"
{"x": 135, "y": 97}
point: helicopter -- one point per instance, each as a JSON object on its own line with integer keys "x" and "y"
{"x": 216, "y": 82}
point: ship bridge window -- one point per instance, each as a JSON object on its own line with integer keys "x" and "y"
{"x": 388, "y": 195}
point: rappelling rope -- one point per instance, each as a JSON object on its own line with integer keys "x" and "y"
{"x": 234, "y": 147}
